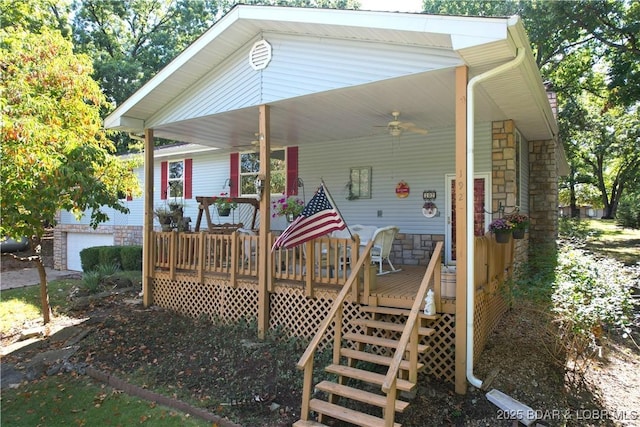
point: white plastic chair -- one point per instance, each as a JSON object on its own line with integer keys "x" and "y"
{"x": 249, "y": 247}
{"x": 382, "y": 243}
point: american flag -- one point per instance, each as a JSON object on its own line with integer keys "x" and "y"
{"x": 318, "y": 218}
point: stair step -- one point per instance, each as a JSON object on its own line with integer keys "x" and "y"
{"x": 346, "y": 414}
{"x": 384, "y": 342}
{"x": 360, "y": 395}
{"x": 377, "y": 359}
{"x": 396, "y": 311}
{"x": 370, "y": 377}
{"x": 398, "y": 327}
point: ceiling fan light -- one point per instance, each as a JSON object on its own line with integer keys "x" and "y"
{"x": 395, "y": 131}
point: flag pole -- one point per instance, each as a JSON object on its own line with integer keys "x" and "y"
{"x": 335, "y": 206}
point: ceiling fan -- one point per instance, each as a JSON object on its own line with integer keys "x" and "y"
{"x": 396, "y": 127}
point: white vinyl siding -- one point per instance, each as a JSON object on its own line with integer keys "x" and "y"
{"x": 421, "y": 161}
{"x": 300, "y": 66}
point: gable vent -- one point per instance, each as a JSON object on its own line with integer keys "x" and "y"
{"x": 260, "y": 55}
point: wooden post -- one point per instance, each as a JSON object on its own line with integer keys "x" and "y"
{"x": 462, "y": 203}
{"x": 264, "y": 250}
{"x": 147, "y": 225}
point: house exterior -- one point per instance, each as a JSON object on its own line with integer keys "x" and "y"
{"x": 396, "y": 113}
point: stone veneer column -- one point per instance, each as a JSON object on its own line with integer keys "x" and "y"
{"x": 543, "y": 181}
{"x": 503, "y": 158}
{"x": 543, "y": 191}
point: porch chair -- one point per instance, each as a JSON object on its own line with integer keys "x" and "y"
{"x": 382, "y": 243}
{"x": 249, "y": 247}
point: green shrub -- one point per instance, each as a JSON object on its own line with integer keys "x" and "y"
{"x": 90, "y": 258}
{"x": 628, "y": 213}
{"x": 591, "y": 296}
{"x": 91, "y": 281}
{"x": 131, "y": 258}
{"x": 574, "y": 229}
{"x": 109, "y": 255}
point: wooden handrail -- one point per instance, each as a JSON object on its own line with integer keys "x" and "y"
{"x": 394, "y": 367}
{"x": 313, "y": 345}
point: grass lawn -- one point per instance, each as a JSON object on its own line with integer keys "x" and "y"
{"x": 615, "y": 242}
{"x": 66, "y": 400}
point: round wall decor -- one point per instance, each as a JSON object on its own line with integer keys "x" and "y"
{"x": 402, "y": 190}
{"x": 429, "y": 209}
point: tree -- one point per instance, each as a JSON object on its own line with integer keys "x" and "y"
{"x": 607, "y": 142}
{"x": 55, "y": 155}
{"x": 589, "y": 51}
{"x": 130, "y": 41}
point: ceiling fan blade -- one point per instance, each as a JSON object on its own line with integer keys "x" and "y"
{"x": 411, "y": 127}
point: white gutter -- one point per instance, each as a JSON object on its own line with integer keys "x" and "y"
{"x": 470, "y": 196}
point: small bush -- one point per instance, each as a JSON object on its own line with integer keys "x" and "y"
{"x": 591, "y": 296}
{"x": 574, "y": 229}
{"x": 109, "y": 255}
{"x": 91, "y": 281}
{"x": 131, "y": 258}
{"x": 628, "y": 214}
{"x": 90, "y": 258}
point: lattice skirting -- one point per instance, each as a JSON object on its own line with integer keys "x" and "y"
{"x": 220, "y": 302}
{"x": 490, "y": 305}
{"x": 291, "y": 311}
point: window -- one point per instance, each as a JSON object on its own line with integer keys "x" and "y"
{"x": 176, "y": 179}
{"x": 250, "y": 166}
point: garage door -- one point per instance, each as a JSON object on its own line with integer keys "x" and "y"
{"x": 79, "y": 241}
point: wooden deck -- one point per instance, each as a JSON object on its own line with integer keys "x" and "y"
{"x": 399, "y": 289}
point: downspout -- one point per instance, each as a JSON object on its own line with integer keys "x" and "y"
{"x": 470, "y": 190}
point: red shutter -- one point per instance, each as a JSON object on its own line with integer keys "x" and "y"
{"x": 292, "y": 171}
{"x": 164, "y": 180}
{"x": 234, "y": 178}
{"x": 188, "y": 178}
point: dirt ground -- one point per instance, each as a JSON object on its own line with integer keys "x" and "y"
{"x": 229, "y": 372}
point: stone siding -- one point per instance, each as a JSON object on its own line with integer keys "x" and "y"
{"x": 543, "y": 191}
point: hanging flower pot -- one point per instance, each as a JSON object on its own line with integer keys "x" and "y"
{"x": 502, "y": 236}
{"x": 224, "y": 211}
{"x": 518, "y": 233}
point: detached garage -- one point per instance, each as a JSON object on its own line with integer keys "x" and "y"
{"x": 76, "y": 242}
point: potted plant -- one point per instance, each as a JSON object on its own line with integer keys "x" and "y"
{"x": 502, "y": 229}
{"x": 164, "y": 218}
{"x": 224, "y": 204}
{"x": 519, "y": 222}
{"x": 289, "y": 207}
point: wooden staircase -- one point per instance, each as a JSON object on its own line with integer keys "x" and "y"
{"x": 370, "y": 366}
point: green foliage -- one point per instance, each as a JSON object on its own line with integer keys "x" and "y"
{"x": 628, "y": 215}
{"x": 127, "y": 258}
{"x": 55, "y": 154}
{"x": 66, "y": 400}
{"x": 109, "y": 255}
{"x": 533, "y": 280}
{"x": 91, "y": 281}
{"x": 590, "y": 296}
{"x": 574, "y": 229}
{"x": 90, "y": 258}
{"x": 131, "y": 258}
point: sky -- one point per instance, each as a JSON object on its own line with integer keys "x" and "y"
{"x": 392, "y": 5}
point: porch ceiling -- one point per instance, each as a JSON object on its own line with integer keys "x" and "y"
{"x": 424, "y": 99}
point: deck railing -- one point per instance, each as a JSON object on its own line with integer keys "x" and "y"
{"x": 326, "y": 260}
